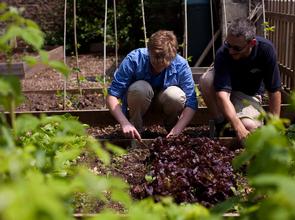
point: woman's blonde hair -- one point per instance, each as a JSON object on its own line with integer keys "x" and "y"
{"x": 163, "y": 46}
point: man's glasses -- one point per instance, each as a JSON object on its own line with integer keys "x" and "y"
{"x": 235, "y": 48}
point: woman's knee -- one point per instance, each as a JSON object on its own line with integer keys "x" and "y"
{"x": 172, "y": 100}
{"x": 140, "y": 90}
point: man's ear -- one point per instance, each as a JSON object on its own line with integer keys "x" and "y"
{"x": 253, "y": 42}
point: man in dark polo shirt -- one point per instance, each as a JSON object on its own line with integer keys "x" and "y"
{"x": 244, "y": 66}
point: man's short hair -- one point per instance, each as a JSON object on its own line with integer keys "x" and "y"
{"x": 163, "y": 46}
{"x": 242, "y": 27}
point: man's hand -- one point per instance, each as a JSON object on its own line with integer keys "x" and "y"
{"x": 130, "y": 131}
{"x": 242, "y": 133}
{"x": 228, "y": 110}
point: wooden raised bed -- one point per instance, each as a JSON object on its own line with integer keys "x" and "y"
{"x": 19, "y": 69}
{"x": 103, "y": 117}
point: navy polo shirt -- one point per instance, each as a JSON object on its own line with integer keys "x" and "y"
{"x": 249, "y": 75}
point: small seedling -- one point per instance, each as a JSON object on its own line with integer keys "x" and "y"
{"x": 149, "y": 178}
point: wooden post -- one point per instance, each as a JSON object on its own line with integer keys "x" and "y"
{"x": 231, "y": 10}
{"x": 293, "y": 61}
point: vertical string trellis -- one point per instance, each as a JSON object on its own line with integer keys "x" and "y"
{"x": 212, "y": 30}
{"x": 77, "y": 69}
{"x": 116, "y": 33}
{"x": 263, "y": 14}
{"x": 185, "y": 31}
{"x": 225, "y": 17}
{"x": 105, "y": 41}
{"x": 65, "y": 34}
{"x": 143, "y": 21}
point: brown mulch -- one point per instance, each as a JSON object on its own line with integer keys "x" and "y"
{"x": 90, "y": 66}
{"x": 90, "y": 75}
{"x": 49, "y": 102}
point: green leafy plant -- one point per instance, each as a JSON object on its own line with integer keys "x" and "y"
{"x": 269, "y": 157}
{"x": 189, "y": 58}
{"x": 38, "y": 156}
{"x": 149, "y": 178}
{"x": 267, "y": 27}
{"x": 104, "y": 83}
{"x": 72, "y": 100}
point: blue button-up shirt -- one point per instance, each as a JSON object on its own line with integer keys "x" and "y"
{"x": 136, "y": 66}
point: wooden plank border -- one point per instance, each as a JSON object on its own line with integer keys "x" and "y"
{"x": 15, "y": 69}
{"x": 104, "y": 118}
{"x": 19, "y": 69}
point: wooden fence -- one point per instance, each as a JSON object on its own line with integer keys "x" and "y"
{"x": 281, "y": 14}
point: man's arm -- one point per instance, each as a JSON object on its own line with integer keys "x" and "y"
{"x": 275, "y": 102}
{"x": 185, "y": 117}
{"x": 115, "y": 108}
{"x": 228, "y": 110}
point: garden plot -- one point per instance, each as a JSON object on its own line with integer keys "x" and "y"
{"x": 187, "y": 168}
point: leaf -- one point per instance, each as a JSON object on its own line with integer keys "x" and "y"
{"x": 33, "y": 37}
{"x": 10, "y": 92}
{"x": 7, "y": 138}
{"x": 30, "y": 60}
{"x": 72, "y": 126}
{"x": 2, "y": 6}
{"x": 284, "y": 183}
{"x": 115, "y": 149}
{"x": 102, "y": 154}
{"x": 60, "y": 67}
{"x": 65, "y": 155}
{"x": 44, "y": 57}
{"x": 5, "y": 88}
{"x": 32, "y": 24}
{"x": 122, "y": 197}
{"x": 149, "y": 178}
{"x": 26, "y": 123}
{"x": 12, "y": 32}
{"x": 14, "y": 83}
{"x": 241, "y": 159}
{"x": 225, "y": 206}
{"x": 87, "y": 182}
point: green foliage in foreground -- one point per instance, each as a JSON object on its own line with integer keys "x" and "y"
{"x": 40, "y": 174}
{"x": 268, "y": 157}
